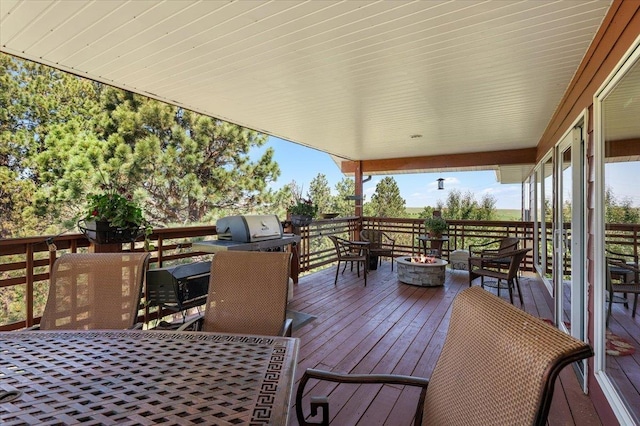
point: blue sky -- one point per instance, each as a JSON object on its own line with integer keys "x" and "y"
{"x": 419, "y": 190}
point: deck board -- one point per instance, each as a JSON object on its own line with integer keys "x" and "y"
{"x": 390, "y": 327}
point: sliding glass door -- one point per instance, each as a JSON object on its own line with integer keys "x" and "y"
{"x": 616, "y": 236}
{"x": 569, "y": 234}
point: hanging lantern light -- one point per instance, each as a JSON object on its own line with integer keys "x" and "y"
{"x": 441, "y": 183}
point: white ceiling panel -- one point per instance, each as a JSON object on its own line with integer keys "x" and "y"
{"x": 352, "y": 78}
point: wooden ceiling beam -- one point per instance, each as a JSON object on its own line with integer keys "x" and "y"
{"x": 475, "y": 159}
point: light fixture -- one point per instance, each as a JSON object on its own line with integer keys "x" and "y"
{"x": 441, "y": 183}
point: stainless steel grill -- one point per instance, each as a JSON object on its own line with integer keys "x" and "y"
{"x": 249, "y": 228}
{"x": 248, "y": 233}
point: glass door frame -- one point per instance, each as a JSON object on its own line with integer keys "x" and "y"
{"x": 599, "y": 298}
{"x": 572, "y": 140}
{"x": 541, "y": 241}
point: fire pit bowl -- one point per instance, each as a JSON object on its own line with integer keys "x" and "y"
{"x": 429, "y": 274}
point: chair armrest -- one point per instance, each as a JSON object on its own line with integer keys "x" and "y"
{"x": 487, "y": 258}
{"x": 623, "y": 260}
{"x": 385, "y": 235}
{"x": 361, "y": 249}
{"x": 194, "y": 324}
{"x": 478, "y": 248}
{"x": 622, "y": 255}
{"x": 487, "y": 253}
{"x": 622, "y": 264}
{"x": 631, "y": 268}
{"x": 353, "y": 378}
{"x": 392, "y": 241}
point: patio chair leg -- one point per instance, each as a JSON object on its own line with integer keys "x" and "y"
{"x": 364, "y": 266}
{"x": 510, "y": 288}
{"x": 519, "y": 292}
{"x": 335, "y": 282}
{"x": 635, "y": 304}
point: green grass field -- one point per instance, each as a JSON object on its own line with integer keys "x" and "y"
{"x": 501, "y": 214}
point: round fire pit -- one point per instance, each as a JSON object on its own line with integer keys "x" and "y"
{"x": 421, "y": 274}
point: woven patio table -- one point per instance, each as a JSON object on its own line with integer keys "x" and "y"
{"x": 145, "y": 377}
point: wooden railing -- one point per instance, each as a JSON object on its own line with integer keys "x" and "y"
{"x": 25, "y": 265}
{"x": 25, "y": 262}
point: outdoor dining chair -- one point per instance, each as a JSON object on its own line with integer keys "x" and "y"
{"x": 486, "y": 266}
{"x": 350, "y": 252}
{"x": 496, "y": 249}
{"x": 380, "y": 244}
{"x": 247, "y": 294}
{"x": 89, "y": 291}
{"x": 498, "y": 366}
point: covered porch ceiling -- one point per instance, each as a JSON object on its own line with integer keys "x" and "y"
{"x": 403, "y": 86}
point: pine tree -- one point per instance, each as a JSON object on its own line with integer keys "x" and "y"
{"x": 63, "y": 137}
{"x": 320, "y": 193}
{"x": 386, "y": 201}
{"x": 340, "y": 204}
{"x": 38, "y": 105}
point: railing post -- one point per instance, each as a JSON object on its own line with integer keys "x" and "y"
{"x": 29, "y": 284}
{"x": 160, "y": 250}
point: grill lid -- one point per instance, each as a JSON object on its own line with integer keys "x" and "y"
{"x": 249, "y": 228}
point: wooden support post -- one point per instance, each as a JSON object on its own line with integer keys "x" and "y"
{"x": 359, "y": 191}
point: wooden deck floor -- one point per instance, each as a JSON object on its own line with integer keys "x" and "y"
{"x": 390, "y": 327}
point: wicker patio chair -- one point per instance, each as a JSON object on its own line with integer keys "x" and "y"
{"x": 346, "y": 251}
{"x": 485, "y": 266}
{"x": 622, "y": 277}
{"x": 498, "y": 366}
{"x": 380, "y": 244}
{"x": 90, "y": 291}
{"x": 247, "y": 294}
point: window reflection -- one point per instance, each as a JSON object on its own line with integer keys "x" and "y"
{"x": 621, "y": 121}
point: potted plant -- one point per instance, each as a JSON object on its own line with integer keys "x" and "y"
{"x": 436, "y": 226}
{"x": 302, "y": 212}
{"x": 113, "y": 218}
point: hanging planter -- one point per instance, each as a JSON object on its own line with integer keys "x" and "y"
{"x": 112, "y": 218}
{"x": 301, "y": 220}
{"x": 102, "y": 232}
{"x": 302, "y": 212}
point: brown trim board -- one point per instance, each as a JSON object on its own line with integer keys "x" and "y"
{"x": 407, "y": 164}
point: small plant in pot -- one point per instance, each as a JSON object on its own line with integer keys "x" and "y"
{"x": 113, "y": 218}
{"x": 302, "y": 212}
{"x": 436, "y": 226}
